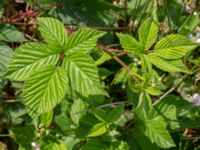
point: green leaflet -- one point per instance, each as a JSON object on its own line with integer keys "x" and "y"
{"x": 148, "y": 33}
{"x": 96, "y": 144}
{"x": 130, "y": 44}
{"x": 59, "y": 145}
{"x": 156, "y": 130}
{"x": 143, "y": 107}
{"x": 46, "y": 118}
{"x": 109, "y": 116}
{"x": 83, "y": 40}
{"x": 53, "y": 31}
{"x": 9, "y": 33}
{"x": 105, "y": 57}
{"x": 174, "y": 46}
{"x": 30, "y": 57}
{"x": 153, "y": 127}
{"x": 98, "y": 129}
{"x": 167, "y": 65}
{"x": 5, "y": 55}
{"x": 77, "y": 110}
{"x": 1, "y": 8}
{"x": 44, "y": 89}
{"x": 83, "y": 74}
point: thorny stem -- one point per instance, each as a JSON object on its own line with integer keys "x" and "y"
{"x": 123, "y": 64}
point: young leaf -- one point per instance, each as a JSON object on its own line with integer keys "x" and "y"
{"x": 76, "y": 110}
{"x": 144, "y": 141}
{"x": 53, "y": 31}
{"x": 54, "y": 146}
{"x": 105, "y": 57}
{"x": 46, "y": 118}
{"x": 174, "y": 47}
{"x": 96, "y": 144}
{"x": 153, "y": 91}
{"x": 44, "y": 89}
{"x": 83, "y": 74}
{"x": 24, "y": 136}
{"x": 83, "y": 40}
{"x": 115, "y": 114}
{"x": 98, "y": 129}
{"x": 143, "y": 107}
{"x": 28, "y": 58}
{"x": 63, "y": 122}
{"x": 167, "y": 65}
{"x": 130, "y": 44}
{"x": 148, "y": 32}
{"x": 156, "y": 131}
{"x": 119, "y": 145}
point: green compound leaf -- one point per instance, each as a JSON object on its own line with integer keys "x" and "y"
{"x": 44, "y": 89}
{"x": 167, "y": 65}
{"x": 130, "y": 44}
{"x": 174, "y": 47}
{"x": 53, "y": 31}
{"x": 148, "y": 32}
{"x": 83, "y": 74}
{"x": 84, "y": 39}
{"x": 28, "y": 58}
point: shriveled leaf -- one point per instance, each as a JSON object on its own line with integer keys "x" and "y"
{"x": 44, "y": 89}
{"x": 130, "y": 44}
{"x": 167, "y": 65}
{"x": 148, "y": 33}
{"x": 83, "y": 40}
{"x": 30, "y": 57}
{"x": 174, "y": 47}
{"x": 53, "y": 31}
{"x": 83, "y": 74}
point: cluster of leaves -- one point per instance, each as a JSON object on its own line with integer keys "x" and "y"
{"x": 71, "y": 94}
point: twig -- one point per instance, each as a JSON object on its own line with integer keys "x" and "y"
{"x": 31, "y": 38}
{"x": 103, "y": 106}
{"x": 10, "y": 101}
{"x": 7, "y": 135}
{"x": 107, "y": 28}
{"x": 123, "y": 64}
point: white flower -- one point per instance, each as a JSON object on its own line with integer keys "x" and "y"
{"x": 33, "y": 144}
{"x": 196, "y": 99}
